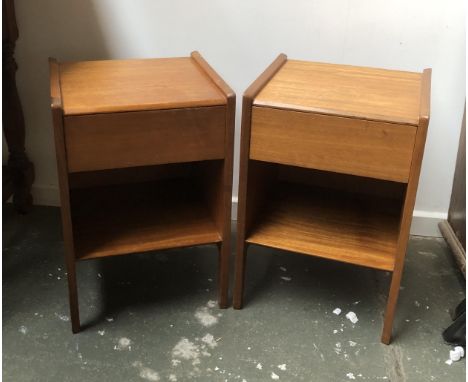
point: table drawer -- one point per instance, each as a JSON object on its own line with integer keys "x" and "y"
{"x": 344, "y": 145}
{"x": 118, "y": 140}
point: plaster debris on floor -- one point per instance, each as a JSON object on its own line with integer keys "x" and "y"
{"x": 186, "y": 349}
{"x": 350, "y": 376}
{"x": 274, "y": 375}
{"x": 123, "y": 343}
{"x": 259, "y": 366}
{"x": 455, "y": 355}
{"x": 205, "y": 316}
{"x": 337, "y": 311}
{"x": 285, "y": 278}
{"x": 282, "y": 366}
{"x": 351, "y": 316}
{"x": 209, "y": 340}
{"x": 23, "y": 329}
{"x": 62, "y": 317}
{"x": 146, "y": 372}
{"x": 283, "y": 269}
{"x": 101, "y": 332}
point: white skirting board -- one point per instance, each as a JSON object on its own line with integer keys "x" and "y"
{"x": 424, "y": 223}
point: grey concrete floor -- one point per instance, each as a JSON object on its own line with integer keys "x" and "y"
{"x": 151, "y": 316}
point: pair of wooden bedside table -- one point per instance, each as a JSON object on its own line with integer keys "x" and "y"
{"x": 330, "y": 161}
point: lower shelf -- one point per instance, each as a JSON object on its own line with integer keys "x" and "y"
{"x": 117, "y": 220}
{"x": 330, "y": 224}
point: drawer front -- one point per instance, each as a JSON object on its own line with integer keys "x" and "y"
{"x": 118, "y": 140}
{"x": 344, "y": 145}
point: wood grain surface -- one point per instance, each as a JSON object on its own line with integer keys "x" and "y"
{"x": 117, "y": 140}
{"x": 108, "y": 86}
{"x": 345, "y": 145}
{"x": 352, "y": 91}
{"x": 330, "y": 224}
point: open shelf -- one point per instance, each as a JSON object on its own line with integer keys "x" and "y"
{"x": 329, "y": 223}
{"x": 139, "y": 217}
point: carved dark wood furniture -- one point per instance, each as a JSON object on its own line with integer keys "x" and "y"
{"x": 18, "y": 174}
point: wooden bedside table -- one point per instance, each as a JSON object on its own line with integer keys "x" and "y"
{"x": 144, "y": 153}
{"x": 330, "y": 162}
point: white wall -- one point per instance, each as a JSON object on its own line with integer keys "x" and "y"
{"x": 239, "y": 39}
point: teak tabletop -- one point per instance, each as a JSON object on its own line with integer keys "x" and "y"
{"x": 90, "y": 87}
{"x": 344, "y": 90}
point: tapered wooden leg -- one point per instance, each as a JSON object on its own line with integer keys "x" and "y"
{"x": 391, "y": 306}
{"x": 223, "y": 274}
{"x": 73, "y": 297}
{"x": 240, "y": 276}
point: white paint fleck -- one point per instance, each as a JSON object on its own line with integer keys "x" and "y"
{"x": 172, "y": 378}
{"x": 101, "y": 332}
{"x": 123, "y": 343}
{"x": 23, "y": 329}
{"x": 283, "y": 269}
{"x": 417, "y": 303}
{"x": 282, "y": 366}
{"x": 274, "y": 376}
{"x": 350, "y": 376}
{"x": 352, "y": 317}
{"x": 456, "y": 354}
{"x": 147, "y": 373}
{"x": 186, "y": 349}
{"x": 352, "y": 343}
{"x": 249, "y": 348}
{"x": 337, "y": 311}
{"x": 335, "y": 331}
{"x": 356, "y": 302}
{"x": 99, "y": 275}
{"x": 449, "y": 362}
{"x": 62, "y": 317}
{"x": 216, "y": 368}
{"x": 286, "y": 278}
{"x": 50, "y": 274}
{"x": 210, "y": 280}
{"x": 259, "y": 366}
{"x": 59, "y": 278}
{"x": 211, "y": 304}
{"x": 205, "y": 318}
{"x": 176, "y": 362}
{"x": 209, "y": 340}
{"x": 244, "y": 380}
{"x": 109, "y": 319}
